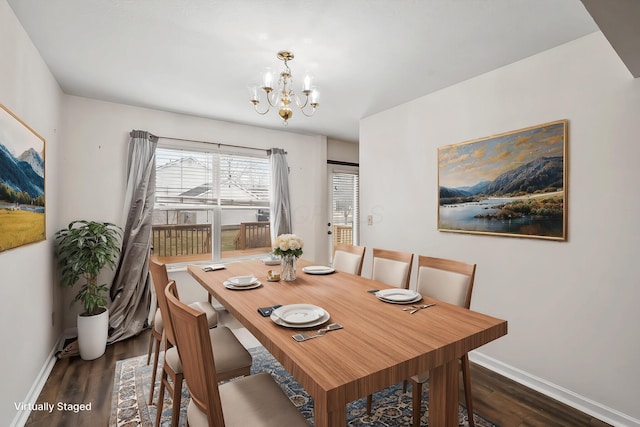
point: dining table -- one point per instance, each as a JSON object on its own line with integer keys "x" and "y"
{"x": 379, "y": 345}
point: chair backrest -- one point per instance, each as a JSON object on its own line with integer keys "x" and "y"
{"x": 160, "y": 279}
{"x": 447, "y": 280}
{"x": 196, "y": 355}
{"x": 348, "y": 258}
{"x": 392, "y": 268}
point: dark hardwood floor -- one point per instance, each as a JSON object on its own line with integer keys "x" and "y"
{"x": 73, "y": 380}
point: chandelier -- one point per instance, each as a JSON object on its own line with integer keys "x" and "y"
{"x": 282, "y": 96}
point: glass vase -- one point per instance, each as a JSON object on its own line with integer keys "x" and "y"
{"x": 288, "y": 273}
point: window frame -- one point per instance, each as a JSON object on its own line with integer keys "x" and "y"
{"x": 216, "y": 206}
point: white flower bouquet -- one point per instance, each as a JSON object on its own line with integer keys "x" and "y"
{"x": 288, "y": 244}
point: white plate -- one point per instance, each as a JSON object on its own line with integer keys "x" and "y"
{"x": 234, "y": 287}
{"x": 300, "y": 313}
{"x": 398, "y": 295}
{"x": 269, "y": 261}
{"x": 416, "y": 299}
{"x": 299, "y": 316}
{"x": 239, "y": 281}
{"x": 318, "y": 269}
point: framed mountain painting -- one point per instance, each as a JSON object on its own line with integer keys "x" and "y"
{"x": 513, "y": 184}
{"x": 22, "y": 207}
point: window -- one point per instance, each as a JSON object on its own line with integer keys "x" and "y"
{"x": 210, "y": 204}
{"x": 345, "y": 186}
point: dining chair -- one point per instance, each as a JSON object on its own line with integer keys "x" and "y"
{"x": 255, "y": 400}
{"x": 234, "y": 359}
{"x": 392, "y": 268}
{"x": 160, "y": 277}
{"x": 348, "y": 258}
{"x": 452, "y": 282}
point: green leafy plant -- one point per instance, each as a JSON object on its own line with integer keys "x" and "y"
{"x": 83, "y": 249}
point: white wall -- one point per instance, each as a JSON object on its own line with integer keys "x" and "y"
{"x": 572, "y": 306}
{"x": 96, "y": 136}
{"x": 27, "y": 294}
{"x": 342, "y": 151}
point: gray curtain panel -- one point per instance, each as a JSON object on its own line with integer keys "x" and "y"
{"x": 130, "y": 290}
{"x": 280, "y": 201}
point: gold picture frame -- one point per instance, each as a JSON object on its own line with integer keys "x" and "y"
{"x": 513, "y": 184}
{"x": 22, "y": 183}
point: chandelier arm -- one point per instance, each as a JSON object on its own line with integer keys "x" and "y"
{"x": 255, "y": 107}
{"x": 270, "y": 100}
{"x": 310, "y": 114}
{"x": 306, "y": 102}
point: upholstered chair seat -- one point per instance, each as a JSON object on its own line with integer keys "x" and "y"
{"x": 348, "y": 258}
{"x": 255, "y": 401}
{"x": 208, "y": 310}
{"x": 158, "y": 326}
{"x": 155, "y": 338}
{"x": 391, "y": 272}
{"x": 228, "y": 351}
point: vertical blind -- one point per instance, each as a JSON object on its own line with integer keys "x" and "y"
{"x": 346, "y": 190}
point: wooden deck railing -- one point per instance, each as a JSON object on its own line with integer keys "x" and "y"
{"x": 254, "y": 235}
{"x": 342, "y": 234}
{"x": 179, "y": 240}
{"x": 183, "y": 240}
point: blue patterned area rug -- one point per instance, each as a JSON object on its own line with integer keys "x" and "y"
{"x": 129, "y": 404}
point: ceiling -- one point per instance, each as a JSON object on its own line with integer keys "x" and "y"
{"x": 197, "y": 57}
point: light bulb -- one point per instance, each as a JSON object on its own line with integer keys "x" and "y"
{"x": 267, "y": 80}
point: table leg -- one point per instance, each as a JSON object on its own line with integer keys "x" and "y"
{"x": 443, "y": 395}
{"x": 324, "y": 417}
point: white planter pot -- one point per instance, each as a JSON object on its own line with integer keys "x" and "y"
{"x": 92, "y": 335}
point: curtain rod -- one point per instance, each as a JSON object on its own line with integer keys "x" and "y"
{"x": 268, "y": 151}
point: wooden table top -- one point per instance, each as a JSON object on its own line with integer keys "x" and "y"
{"x": 380, "y": 344}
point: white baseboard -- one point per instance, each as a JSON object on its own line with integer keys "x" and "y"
{"x": 32, "y": 396}
{"x": 583, "y": 404}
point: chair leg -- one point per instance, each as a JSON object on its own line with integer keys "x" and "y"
{"x": 151, "y": 341}
{"x": 175, "y": 391}
{"x": 154, "y": 371}
{"x": 370, "y": 397}
{"x": 177, "y": 398}
{"x": 466, "y": 379}
{"x": 416, "y": 391}
{"x": 160, "y": 405}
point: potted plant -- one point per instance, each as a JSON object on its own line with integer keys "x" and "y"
{"x": 83, "y": 249}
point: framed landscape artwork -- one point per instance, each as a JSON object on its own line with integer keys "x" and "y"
{"x": 513, "y": 184}
{"x": 22, "y": 207}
